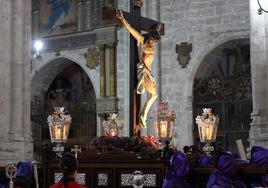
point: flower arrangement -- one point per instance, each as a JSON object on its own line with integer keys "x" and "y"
{"x": 143, "y": 144}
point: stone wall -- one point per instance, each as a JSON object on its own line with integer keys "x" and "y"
{"x": 15, "y": 51}
{"x": 206, "y": 24}
{"x": 259, "y": 68}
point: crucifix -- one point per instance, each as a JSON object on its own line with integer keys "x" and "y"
{"x": 141, "y": 58}
{"x": 76, "y": 149}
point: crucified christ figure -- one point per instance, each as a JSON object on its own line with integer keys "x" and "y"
{"x": 146, "y": 81}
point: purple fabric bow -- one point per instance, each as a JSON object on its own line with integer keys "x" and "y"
{"x": 25, "y": 168}
{"x": 259, "y": 156}
{"x": 204, "y": 161}
{"x": 225, "y": 174}
{"x": 179, "y": 167}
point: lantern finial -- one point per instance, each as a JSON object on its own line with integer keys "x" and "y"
{"x": 207, "y": 127}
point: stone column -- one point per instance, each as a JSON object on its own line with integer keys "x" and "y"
{"x": 95, "y": 10}
{"x": 88, "y": 15}
{"x": 102, "y": 73}
{"x": 35, "y": 19}
{"x": 100, "y": 5}
{"x": 79, "y": 15}
{"x": 108, "y": 101}
{"x": 259, "y": 71}
{"x": 112, "y": 62}
{"x": 15, "y": 51}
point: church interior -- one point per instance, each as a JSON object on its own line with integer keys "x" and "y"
{"x": 142, "y": 93}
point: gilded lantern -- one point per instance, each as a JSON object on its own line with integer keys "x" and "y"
{"x": 207, "y": 127}
{"x": 163, "y": 122}
{"x": 59, "y": 125}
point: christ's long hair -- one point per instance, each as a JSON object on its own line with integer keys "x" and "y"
{"x": 154, "y": 33}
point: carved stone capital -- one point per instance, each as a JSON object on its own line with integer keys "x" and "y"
{"x": 93, "y": 57}
{"x": 184, "y": 50}
{"x": 107, "y": 105}
{"x": 137, "y": 3}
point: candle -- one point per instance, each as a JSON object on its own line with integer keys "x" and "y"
{"x": 208, "y": 133}
{"x": 57, "y": 132}
{"x": 113, "y": 132}
{"x": 163, "y": 129}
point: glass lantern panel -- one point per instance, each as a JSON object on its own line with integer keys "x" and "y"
{"x": 51, "y": 134}
{"x": 58, "y": 132}
{"x": 163, "y": 129}
{"x": 155, "y": 130}
{"x": 171, "y": 129}
{"x": 207, "y": 132}
{"x": 66, "y": 131}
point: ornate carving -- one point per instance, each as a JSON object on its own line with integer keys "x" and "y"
{"x": 214, "y": 85}
{"x": 137, "y": 3}
{"x": 183, "y": 50}
{"x": 148, "y": 179}
{"x": 107, "y": 105}
{"x": 57, "y": 177}
{"x": 81, "y": 178}
{"x": 93, "y": 57}
{"x": 235, "y": 85}
{"x": 103, "y": 179}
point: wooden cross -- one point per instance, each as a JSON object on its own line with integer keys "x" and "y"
{"x": 140, "y": 23}
{"x": 76, "y": 149}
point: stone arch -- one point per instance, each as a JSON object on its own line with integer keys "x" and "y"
{"x": 82, "y": 118}
{"x": 204, "y": 69}
{"x": 46, "y": 71}
{"x": 187, "y": 99}
{"x": 200, "y": 57}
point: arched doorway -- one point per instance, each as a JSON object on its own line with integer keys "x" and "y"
{"x": 62, "y": 82}
{"x": 223, "y": 83}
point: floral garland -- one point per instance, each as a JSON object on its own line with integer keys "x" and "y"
{"x": 135, "y": 144}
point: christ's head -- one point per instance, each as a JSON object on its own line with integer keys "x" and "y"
{"x": 153, "y": 36}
